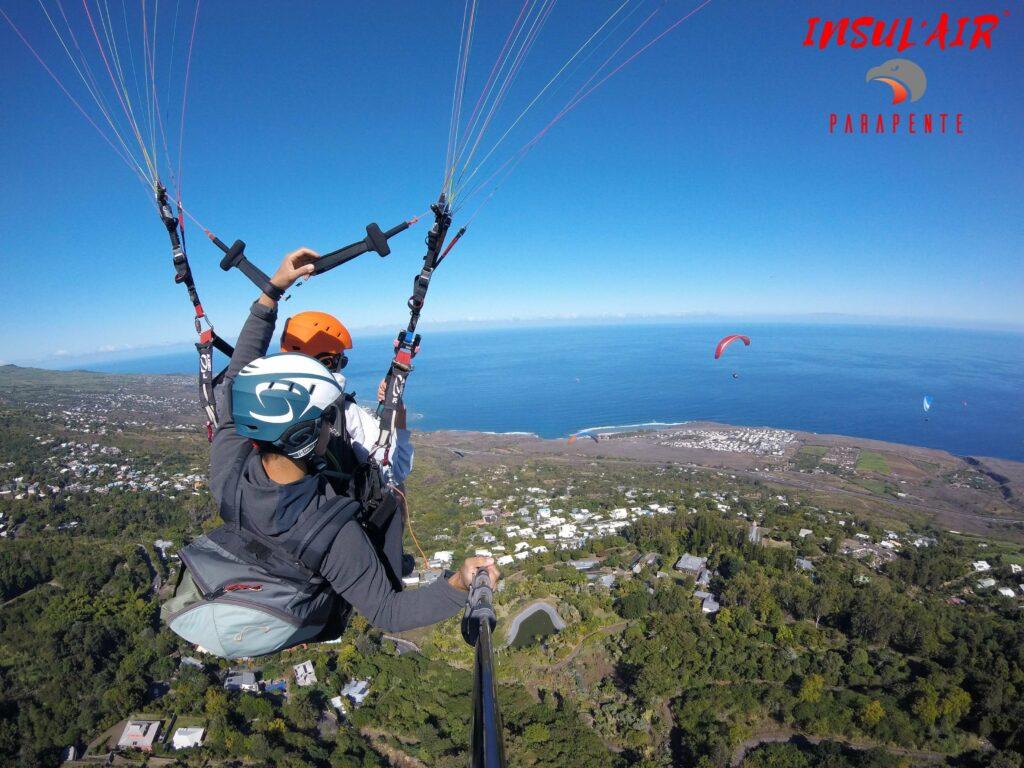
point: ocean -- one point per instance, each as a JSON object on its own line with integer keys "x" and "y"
{"x": 864, "y": 381}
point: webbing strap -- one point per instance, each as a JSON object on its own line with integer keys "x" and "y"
{"x": 208, "y": 339}
{"x": 315, "y": 545}
{"x": 408, "y": 341}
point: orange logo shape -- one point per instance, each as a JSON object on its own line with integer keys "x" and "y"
{"x": 906, "y": 79}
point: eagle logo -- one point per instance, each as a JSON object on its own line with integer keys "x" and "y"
{"x": 906, "y": 79}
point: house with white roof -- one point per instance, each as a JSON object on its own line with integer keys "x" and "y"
{"x": 443, "y": 556}
{"x": 185, "y": 738}
{"x": 356, "y": 691}
{"x": 980, "y": 566}
{"x": 304, "y": 674}
{"x": 1005, "y": 592}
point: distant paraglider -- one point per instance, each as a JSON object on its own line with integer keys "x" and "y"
{"x": 926, "y": 403}
{"x": 578, "y": 435}
{"x": 724, "y": 343}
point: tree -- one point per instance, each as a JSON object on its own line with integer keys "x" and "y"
{"x": 536, "y": 733}
{"x": 926, "y": 705}
{"x": 1006, "y": 759}
{"x": 216, "y": 704}
{"x": 634, "y": 605}
{"x": 254, "y": 708}
{"x": 872, "y": 713}
{"x": 955, "y": 705}
{"x": 812, "y": 688}
{"x": 301, "y": 712}
{"x": 258, "y": 748}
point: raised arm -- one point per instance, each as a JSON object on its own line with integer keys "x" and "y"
{"x": 253, "y": 342}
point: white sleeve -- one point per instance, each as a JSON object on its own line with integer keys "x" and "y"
{"x": 364, "y": 430}
{"x": 361, "y": 425}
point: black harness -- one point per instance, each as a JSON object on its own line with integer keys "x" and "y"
{"x": 304, "y": 545}
{"x": 360, "y": 480}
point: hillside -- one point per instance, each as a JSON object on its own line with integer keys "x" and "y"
{"x": 827, "y": 614}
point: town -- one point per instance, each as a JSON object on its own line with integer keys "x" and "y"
{"x": 817, "y": 567}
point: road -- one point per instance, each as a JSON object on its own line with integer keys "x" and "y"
{"x": 403, "y": 646}
{"x": 781, "y": 736}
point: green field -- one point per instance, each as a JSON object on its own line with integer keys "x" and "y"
{"x": 872, "y": 461}
{"x": 808, "y": 456}
{"x": 875, "y": 486}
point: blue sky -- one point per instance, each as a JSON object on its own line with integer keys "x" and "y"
{"x": 701, "y": 179}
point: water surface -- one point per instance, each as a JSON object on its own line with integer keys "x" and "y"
{"x": 865, "y": 381}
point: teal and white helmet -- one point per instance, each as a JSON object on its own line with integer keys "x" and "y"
{"x": 282, "y": 399}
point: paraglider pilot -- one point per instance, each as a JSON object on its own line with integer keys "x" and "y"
{"x": 286, "y": 405}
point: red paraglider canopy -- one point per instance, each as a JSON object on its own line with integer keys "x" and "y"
{"x": 729, "y": 340}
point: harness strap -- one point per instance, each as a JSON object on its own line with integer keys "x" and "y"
{"x": 408, "y": 342}
{"x": 208, "y": 339}
{"x": 306, "y": 544}
{"x": 315, "y": 545}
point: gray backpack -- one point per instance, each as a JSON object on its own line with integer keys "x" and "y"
{"x": 243, "y": 594}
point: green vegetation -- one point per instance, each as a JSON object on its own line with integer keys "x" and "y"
{"x": 872, "y": 461}
{"x": 891, "y": 659}
{"x": 808, "y": 456}
{"x": 870, "y": 484}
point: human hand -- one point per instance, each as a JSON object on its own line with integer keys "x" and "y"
{"x": 463, "y": 578}
{"x": 295, "y": 265}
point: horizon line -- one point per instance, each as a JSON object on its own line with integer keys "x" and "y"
{"x": 139, "y": 351}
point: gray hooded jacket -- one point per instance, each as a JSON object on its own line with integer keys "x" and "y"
{"x": 353, "y": 566}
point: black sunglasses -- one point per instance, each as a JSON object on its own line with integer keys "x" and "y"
{"x": 333, "y": 362}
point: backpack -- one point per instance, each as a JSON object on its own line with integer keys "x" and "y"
{"x": 361, "y": 480}
{"x": 243, "y": 594}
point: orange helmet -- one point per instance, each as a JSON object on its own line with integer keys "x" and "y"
{"x": 316, "y": 334}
